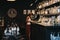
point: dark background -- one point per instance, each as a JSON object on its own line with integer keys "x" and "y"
{"x": 20, "y": 5}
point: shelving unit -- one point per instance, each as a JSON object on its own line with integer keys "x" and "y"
{"x": 47, "y": 3}
{"x": 48, "y": 16}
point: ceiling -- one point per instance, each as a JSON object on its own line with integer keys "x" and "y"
{"x": 22, "y": 4}
{"x": 19, "y": 5}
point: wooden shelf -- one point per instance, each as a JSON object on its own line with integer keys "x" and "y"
{"x": 50, "y": 14}
{"x": 47, "y": 5}
{"x": 40, "y": 23}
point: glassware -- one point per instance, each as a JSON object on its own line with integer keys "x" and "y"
{"x": 55, "y": 36}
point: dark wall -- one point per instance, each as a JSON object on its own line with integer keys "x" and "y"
{"x": 38, "y": 32}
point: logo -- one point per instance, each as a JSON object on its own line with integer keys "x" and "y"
{"x": 12, "y": 13}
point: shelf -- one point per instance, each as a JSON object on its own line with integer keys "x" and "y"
{"x": 49, "y": 14}
{"x": 50, "y": 11}
{"x": 46, "y": 4}
{"x": 41, "y": 23}
{"x": 45, "y": 24}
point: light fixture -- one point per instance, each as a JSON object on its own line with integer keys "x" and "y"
{"x": 33, "y": 11}
{"x": 40, "y": 6}
{"x": 47, "y": 3}
{"x": 11, "y": 0}
{"x": 29, "y": 11}
{"x": 31, "y": 4}
{"x": 24, "y": 11}
{"x": 46, "y": 12}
